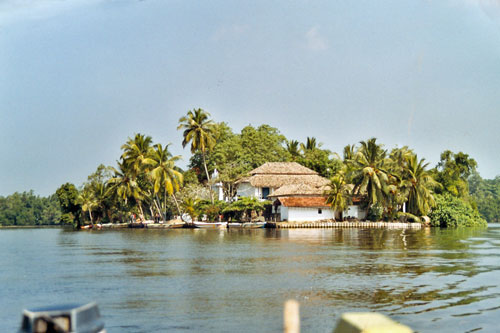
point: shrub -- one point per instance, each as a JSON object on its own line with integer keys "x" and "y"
{"x": 454, "y": 212}
{"x": 375, "y": 213}
{"x": 243, "y": 207}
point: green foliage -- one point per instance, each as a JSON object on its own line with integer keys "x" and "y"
{"x": 243, "y": 207}
{"x": 236, "y": 154}
{"x": 292, "y": 147}
{"x": 375, "y": 213}
{"x": 212, "y": 211}
{"x": 420, "y": 185}
{"x": 408, "y": 217}
{"x": 68, "y": 199}
{"x": 452, "y": 172}
{"x": 454, "y": 212}
{"x": 320, "y": 161}
{"x": 486, "y": 195}
{"x": 189, "y": 177}
{"x": 338, "y": 195}
{"x": 200, "y": 131}
{"x": 23, "y": 209}
{"x": 369, "y": 173}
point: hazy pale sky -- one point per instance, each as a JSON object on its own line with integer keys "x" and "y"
{"x": 79, "y": 77}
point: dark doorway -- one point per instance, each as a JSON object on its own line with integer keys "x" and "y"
{"x": 265, "y": 192}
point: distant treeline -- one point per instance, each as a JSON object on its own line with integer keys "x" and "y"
{"x": 147, "y": 182}
{"x": 23, "y": 209}
{"x": 486, "y": 195}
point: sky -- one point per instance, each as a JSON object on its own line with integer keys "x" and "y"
{"x": 77, "y": 78}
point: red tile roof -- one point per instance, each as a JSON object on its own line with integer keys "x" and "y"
{"x": 304, "y": 201}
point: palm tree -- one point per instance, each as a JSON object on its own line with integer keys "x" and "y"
{"x": 88, "y": 202}
{"x": 163, "y": 173}
{"x": 369, "y": 173}
{"x": 339, "y": 194}
{"x": 125, "y": 185}
{"x": 135, "y": 152}
{"x": 292, "y": 147}
{"x": 101, "y": 196}
{"x": 349, "y": 152}
{"x": 189, "y": 205}
{"x": 310, "y": 144}
{"x": 420, "y": 185}
{"x": 199, "y": 130}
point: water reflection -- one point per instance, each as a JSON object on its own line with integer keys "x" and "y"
{"x": 211, "y": 280}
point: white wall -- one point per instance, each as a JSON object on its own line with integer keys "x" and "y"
{"x": 246, "y": 190}
{"x": 355, "y": 211}
{"x": 307, "y": 214}
{"x": 284, "y": 213}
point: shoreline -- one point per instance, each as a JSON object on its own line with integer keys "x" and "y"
{"x": 345, "y": 225}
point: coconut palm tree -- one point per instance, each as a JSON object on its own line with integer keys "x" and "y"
{"x": 189, "y": 205}
{"x": 125, "y": 185}
{"x": 310, "y": 144}
{"x": 101, "y": 195}
{"x": 349, "y": 152}
{"x": 420, "y": 186}
{"x": 199, "y": 130}
{"x": 292, "y": 147}
{"x": 163, "y": 173}
{"x": 88, "y": 202}
{"x": 370, "y": 174}
{"x": 339, "y": 194}
{"x": 135, "y": 151}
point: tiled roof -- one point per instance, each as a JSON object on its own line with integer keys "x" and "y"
{"x": 304, "y": 202}
{"x": 282, "y": 168}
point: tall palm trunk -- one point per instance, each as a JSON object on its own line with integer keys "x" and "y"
{"x": 158, "y": 205}
{"x": 139, "y": 203}
{"x": 177, "y": 204}
{"x": 208, "y": 178}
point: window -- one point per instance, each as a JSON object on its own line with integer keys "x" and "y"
{"x": 265, "y": 192}
{"x": 320, "y": 211}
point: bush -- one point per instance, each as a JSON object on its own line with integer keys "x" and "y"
{"x": 212, "y": 211}
{"x": 375, "y": 213}
{"x": 243, "y": 207}
{"x": 454, "y": 212}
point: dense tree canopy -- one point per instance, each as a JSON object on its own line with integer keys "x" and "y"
{"x": 486, "y": 195}
{"x": 22, "y": 209}
{"x": 391, "y": 184}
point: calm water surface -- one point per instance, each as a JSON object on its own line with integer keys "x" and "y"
{"x": 226, "y": 281}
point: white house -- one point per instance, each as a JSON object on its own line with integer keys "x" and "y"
{"x": 297, "y": 192}
{"x": 270, "y": 176}
{"x": 304, "y": 209}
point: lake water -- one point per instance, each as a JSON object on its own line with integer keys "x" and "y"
{"x": 227, "y": 281}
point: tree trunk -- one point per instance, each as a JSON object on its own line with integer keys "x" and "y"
{"x": 157, "y": 205}
{"x": 208, "y": 177}
{"x": 91, "y": 220}
{"x": 139, "y": 203}
{"x": 177, "y": 204}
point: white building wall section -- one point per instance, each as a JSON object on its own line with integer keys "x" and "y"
{"x": 356, "y": 212}
{"x": 246, "y": 190}
{"x": 308, "y": 214}
{"x": 283, "y": 213}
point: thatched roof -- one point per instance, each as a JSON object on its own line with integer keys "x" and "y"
{"x": 276, "y": 181}
{"x": 297, "y": 189}
{"x": 278, "y": 174}
{"x": 282, "y": 168}
{"x": 313, "y": 202}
